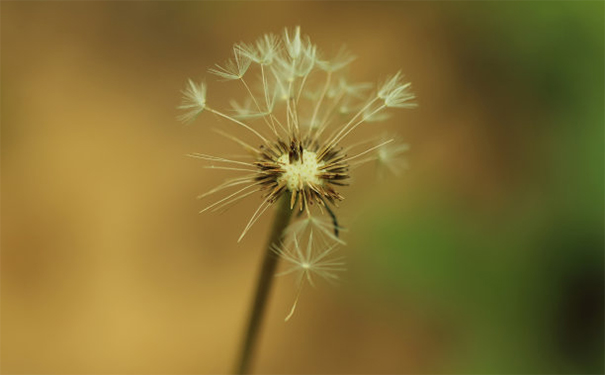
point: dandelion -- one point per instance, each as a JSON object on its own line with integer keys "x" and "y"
{"x": 395, "y": 93}
{"x": 194, "y": 101}
{"x": 263, "y": 52}
{"x": 342, "y": 59}
{"x": 233, "y": 68}
{"x": 299, "y": 116}
{"x": 327, "y": 230}
{"x": 309, "y": 263}
{"x": 390, "y": 157}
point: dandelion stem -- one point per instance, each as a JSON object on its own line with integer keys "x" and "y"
{"x": 265, "y": 280}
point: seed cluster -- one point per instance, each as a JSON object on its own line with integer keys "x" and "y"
{"x": 302, "y": 108}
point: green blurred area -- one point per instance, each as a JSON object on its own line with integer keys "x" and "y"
{"x": 525, "y": 279}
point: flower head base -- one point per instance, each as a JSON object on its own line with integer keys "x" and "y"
{"x": 298, "y": 169}
{"x": 303, "y": 171}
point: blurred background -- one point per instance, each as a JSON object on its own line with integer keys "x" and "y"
{"x": 485, "y": 256}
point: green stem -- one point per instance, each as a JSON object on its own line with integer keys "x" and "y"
{"x": 265, "y": 280}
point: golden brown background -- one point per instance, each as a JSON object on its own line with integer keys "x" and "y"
{"x": 485, "y": 257}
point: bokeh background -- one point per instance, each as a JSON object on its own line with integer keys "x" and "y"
{"x": 485, "y": 256}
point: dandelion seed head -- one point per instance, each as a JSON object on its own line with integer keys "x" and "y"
{"x": 299, "y": 113}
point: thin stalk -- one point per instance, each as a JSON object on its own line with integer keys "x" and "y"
{"x": 321, "y": 99}
{"x": 265, "y": 280}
